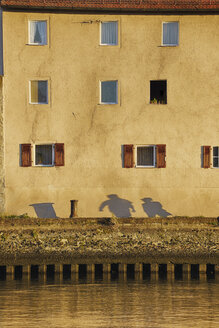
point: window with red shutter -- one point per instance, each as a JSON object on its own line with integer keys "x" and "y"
{"x": 161, "y": 156}
{"x": 26, "y": 155}
{"x": 128, "y": 156}
{"x": 59, "y": 154}
{"x": 206, "y": 157}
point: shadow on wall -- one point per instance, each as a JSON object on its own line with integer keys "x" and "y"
{"x": 152, "y": 208}
{"x": 119, "y": 207}
{"x": 44, "y": 210}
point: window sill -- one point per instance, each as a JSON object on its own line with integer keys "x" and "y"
{"x": 36, "y": 44}
{"x": 169, "y": 45}
{"x": 108, "y": 44}
{"x": 38, "y": 103}
{"x": 145, "y": 167}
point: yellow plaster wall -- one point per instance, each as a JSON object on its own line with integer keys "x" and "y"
{"x": 74, "y": 63}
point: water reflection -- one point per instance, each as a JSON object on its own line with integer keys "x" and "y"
{"x": 109, "y": 301}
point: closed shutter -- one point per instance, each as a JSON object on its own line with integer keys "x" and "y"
{"x": 161, "y": 156}
{"x": 26, "y": 155}
{"x": 59, "y": 154}
{"x": 128, "y": 156}
{"x": 206, "y": 157}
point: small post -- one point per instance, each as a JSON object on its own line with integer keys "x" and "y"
{"x": 90, "y": 268}
{"x": 154, "y": 268}
{"x": 10, "y": 269}
{"x": 138, "y": 267}
{"x": 202, "y": 268}
{"x": 74, "y": 268}
{"x": 58, "y": 268}
{"x": 26, "y": 269}
{"x": 170, "y": 268}
{"x": 186, "y": 268}
{"x": 106, "y": 268}
{"x": 74, "y": 208}
{"x": 42, "y": 268}
{"x": 122, "y": 267}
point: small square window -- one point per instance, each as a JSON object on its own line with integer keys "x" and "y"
{"x": 170, "y": 34}
{"x": 109, "y": 92}
{"x": 216, "y": 157}
{"x": 38, "y": 33}
{"x": 158, "y": 92}
{"x": 109, "y": 33}
{"x": 146, "y": 156}
{"x": 44, "y": 155}
{"x": 39, "y": 92}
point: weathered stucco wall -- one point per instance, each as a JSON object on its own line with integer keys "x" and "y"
{"x": 2, "y": 172}
{"x": 109, "y": 240}
{"x": 93, "y": 134}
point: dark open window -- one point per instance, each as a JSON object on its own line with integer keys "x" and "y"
{"x": 158, "y": 92}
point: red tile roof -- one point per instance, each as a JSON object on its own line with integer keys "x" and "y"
{"x": 147, "y": 5}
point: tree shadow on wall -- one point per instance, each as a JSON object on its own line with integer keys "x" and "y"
{"x": 153, "y": 209}
{"x": 44, "y": 210}
{"x": 119, "y": 207}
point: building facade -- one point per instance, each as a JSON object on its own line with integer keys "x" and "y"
{"x": 114, "y": 104}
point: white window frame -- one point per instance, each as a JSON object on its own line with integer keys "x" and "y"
{"x": 154, "y": 156}
{"x": 38, "y": 103}
{"x": 53, "y": 154}
{"x": 170, "y": 45}
{"x": 37, "y": 20}
{"x": 215, "y": 167}
{"x": 108, "y": 103}
{"x": 109, "y": 44}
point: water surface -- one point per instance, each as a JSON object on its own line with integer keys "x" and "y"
{"x": 107, "y": 303}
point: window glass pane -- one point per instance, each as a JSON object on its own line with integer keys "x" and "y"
{"x": 38, "y": 32}
{"x": 43, "y": 155}
{"x": 170, "y": 33}
{"x": 109, "y": 92}
{"x": 109, "y": 33}
{"x": 215, "y": 151}
{"x": 215, "y": 162}
{"x": 145, "y": 156}
{"x": 42, "y": 92}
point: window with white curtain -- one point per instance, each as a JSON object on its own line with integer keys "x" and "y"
{"x": 39, "y": 92}
{"x": 109, "y": 92}
{"x": 44, "y": 155}
{"x": 38, "y": 32}
{"x": 170, "y": 34}
{"x": 109, "y": 33}
{"x": 146, "y": 156}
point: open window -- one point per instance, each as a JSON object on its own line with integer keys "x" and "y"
{"x": 38, "y": 32}
{"x": 147, "y": 156}
{"x": 38, "y": 92}
{"x": 158, "y": 92}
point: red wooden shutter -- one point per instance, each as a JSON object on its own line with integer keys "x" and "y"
{"x": 26, "y": 155}
{"x": 206, "y": 157}
{"x": 59, "y": 154}
{"x": 128, "y": 156}
{"x": 161, "y": 156}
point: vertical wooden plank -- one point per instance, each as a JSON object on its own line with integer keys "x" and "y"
{"x": 206, "y": 157}
{"x": 128, "y": 156}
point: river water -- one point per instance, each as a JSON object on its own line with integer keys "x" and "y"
{"x": 109, "y": 303}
